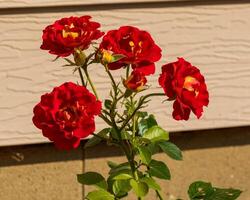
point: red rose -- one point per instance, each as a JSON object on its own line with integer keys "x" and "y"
{"x": 66, "y": 115}
{"x": 66, "y": 34}
{"x": 185, "y": 84}
{"x": 136, "y": 45}
{"x": 135, "y": 82}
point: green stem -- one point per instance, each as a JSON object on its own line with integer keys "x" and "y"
{"x": 95, "y": 135}
{"x": 110, "y": 75}
{"x": 159, "y": 194}
{"x": 154, "y": 94}
{"x": 90, "y": 82}
{"x": 81, "y": 76}
{"x": 127, "y": 71}
{"x": 138, "y": 107}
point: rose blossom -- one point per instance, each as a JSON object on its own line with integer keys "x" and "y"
{"x": 185, "y": 84}
{"x": 67, "y": 34}
{"x": 136, "y": 45}
{"x": 67, "y": 114}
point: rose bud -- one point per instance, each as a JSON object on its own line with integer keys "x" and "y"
{"x": 135, "y": 82}
{"x": 185, "y": 84}
{"x": 79, "y": 57}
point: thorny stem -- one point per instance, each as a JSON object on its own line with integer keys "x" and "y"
{"x": 138, "y": 107}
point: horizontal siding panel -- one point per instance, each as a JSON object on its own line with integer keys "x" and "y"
{"x": 44, "y": 3}
{"x": 216, "y": 38}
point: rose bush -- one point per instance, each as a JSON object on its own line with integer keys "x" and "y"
{"x": 67, "y": 114}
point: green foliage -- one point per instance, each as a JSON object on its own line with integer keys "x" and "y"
{"x": 120, "y": 173}
{"x": 117, "y": 57}
{"x": 100, "y": 195}
{"x": 139, "y": 188}
{"x": 151, "y": 183}
{"x": 145, "y": 154}
{"x": 159, "y": 169}
{"x": 115, "y": 168}
{"x": 107, "y": 103}
{"x": 96, "y": 140}
{"x": 171, "y": 150}
{"x": 156, "y": 134}
{"x": 92, "y": 178}
{"x": 123, "y": 176}
{"x": 121, "y": 188}
{"x": 146, "y": 123}
{"x": 200, "y": 190}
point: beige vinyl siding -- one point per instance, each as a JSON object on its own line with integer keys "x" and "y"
{"x": 42, "y": 3}
{"x": 216, "y": 38}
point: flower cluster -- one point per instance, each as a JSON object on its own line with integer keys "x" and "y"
{"x": 67, "y": 113}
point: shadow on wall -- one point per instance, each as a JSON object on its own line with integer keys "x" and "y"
{"x": 188, "y": 140}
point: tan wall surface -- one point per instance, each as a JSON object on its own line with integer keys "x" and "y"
{"x": 213, "y": 37}
{"x": 39, "y": 3}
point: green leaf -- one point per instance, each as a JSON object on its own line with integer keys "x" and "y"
{"x": 121, "y": 167}
{"x": 225, "y": 194}
{"x": 125, "y": 135}
{"x": 92, "y": 178}
{"x": 112, "y": 164}
{"x": 95, "y": 139}
{"x": 117, "y": 57}
{"x": 69, "y": 61}
{"x": 140, "y": 188}
{"x": 156, "y": 134}
{"x": 171, "y": 150}
{"x": 142, "y": 114}
{"x": 100, "y": 195}
{"x": 107, "y": 103}
{"x": 121, "y": 188}
{"x": 120, "y": 174}
{"x": 151, "y": 183}
{"x": 159, "y": 170}
{"x": 153, "y": 148}
{"x": 200, "y": 190}
{"x": 145, "y": 155}
{"x": 124, "y": 176}
{"x": 146, "y": 123}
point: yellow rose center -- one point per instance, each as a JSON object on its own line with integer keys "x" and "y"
{"x": 68, "y": 33}
{"x": 189, "y": 84}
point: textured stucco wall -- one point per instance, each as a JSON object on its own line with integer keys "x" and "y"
{"x": 214, "y": 37}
